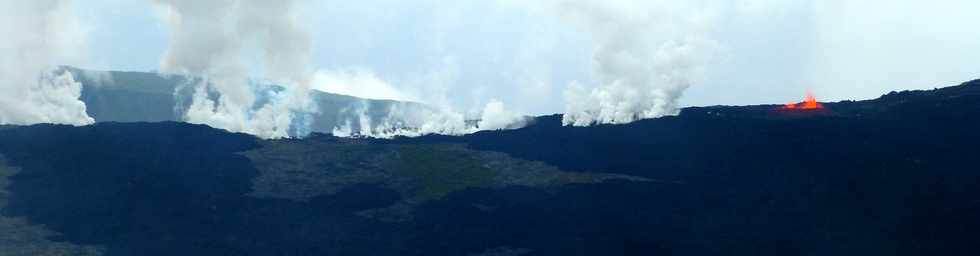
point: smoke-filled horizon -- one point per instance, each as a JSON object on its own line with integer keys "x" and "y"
{"x": 40, "y": 35}
{"x": 492, "y": 61}
{"x": 646, "y": 55}
{"x": 208, "y": 40}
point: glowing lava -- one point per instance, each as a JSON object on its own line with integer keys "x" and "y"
{"x": 810, "y": 104}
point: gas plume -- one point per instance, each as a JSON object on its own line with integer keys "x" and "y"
{"x": 38, "y": 36}
{"x": 207, "y": 42}
{"x": 645, "y": 56}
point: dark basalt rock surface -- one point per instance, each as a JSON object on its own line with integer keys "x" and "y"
{"x": 896, "y": 175}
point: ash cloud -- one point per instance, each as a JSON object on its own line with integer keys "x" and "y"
{"x": 38, "y": 36}
{"x": 646, "y": 55}
{"x": 208, "y": 40}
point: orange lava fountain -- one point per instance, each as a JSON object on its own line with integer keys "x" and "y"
{"x": 809, "y": 104}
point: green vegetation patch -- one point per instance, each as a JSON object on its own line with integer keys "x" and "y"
{"x": 441, "y": 169}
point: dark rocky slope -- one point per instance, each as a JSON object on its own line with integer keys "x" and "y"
{"x": 892, "y": 176}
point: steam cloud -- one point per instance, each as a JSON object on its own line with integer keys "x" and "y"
{"x": 496, "y": 117}
{"x": 646, "y": 55}
{"x": 407, "y": 118}
{"x": 411, "y": 119}
{"x": 404, "y": 119}
{"x": 644, "y": 58}
{"x": 207, "y": 42}
{"x": 38, "y": 35}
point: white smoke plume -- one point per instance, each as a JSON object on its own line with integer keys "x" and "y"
{"x": 407, "y": 118}
{"x": 208, "y": 40}
{"x": 38, "y": 36}
{"x": 646, "y": 54}
{"x": 496, "y": 117}
{"x": 412, "y": 120}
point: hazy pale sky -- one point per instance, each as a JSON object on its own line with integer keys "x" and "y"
{"x": 466, "y": 53}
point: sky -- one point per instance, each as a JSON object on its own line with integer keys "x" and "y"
{"x": 608, "y": 61}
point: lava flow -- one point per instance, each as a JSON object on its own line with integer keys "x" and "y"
{"x": 810, "y": 104}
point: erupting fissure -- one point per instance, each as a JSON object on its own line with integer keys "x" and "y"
{"x": 809, "y": 104}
